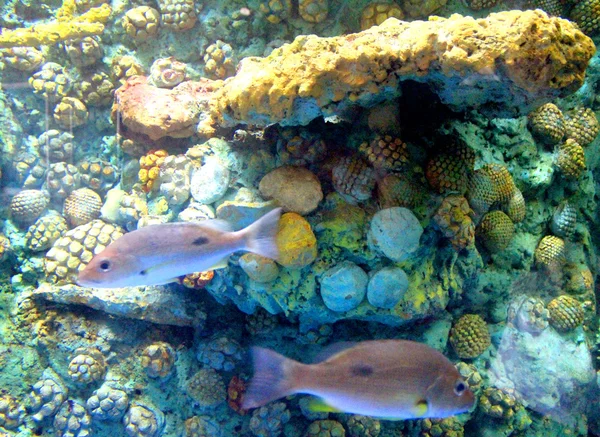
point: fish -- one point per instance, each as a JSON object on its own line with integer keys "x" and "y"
{"x": 385, "y": 379}
{"x": 159, "y": 254}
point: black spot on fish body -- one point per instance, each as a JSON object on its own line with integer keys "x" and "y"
{"x": 361, "y": 370}
{"x": 200, "y": 241}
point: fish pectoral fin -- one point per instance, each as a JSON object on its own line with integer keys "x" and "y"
{"x": 318, "y": 405}
{"x": 221, "y": 264}
{"x": 420, "y": 408}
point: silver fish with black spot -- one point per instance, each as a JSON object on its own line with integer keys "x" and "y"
{"x": 388, "y": 379}
{"x": 159, "y": 254}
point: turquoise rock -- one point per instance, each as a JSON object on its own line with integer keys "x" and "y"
{"x": 343, "y": 287}
{"x": 395, "y": 233}
{"x": 387, "y": 287}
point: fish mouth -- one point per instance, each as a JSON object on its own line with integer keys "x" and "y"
{"x": 83, "y": 282}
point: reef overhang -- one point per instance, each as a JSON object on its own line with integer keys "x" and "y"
{"x": 506, "y": 63}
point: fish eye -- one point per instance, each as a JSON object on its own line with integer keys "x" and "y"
{"x": 459, "y": 387}
{"x": 105, "y": 265}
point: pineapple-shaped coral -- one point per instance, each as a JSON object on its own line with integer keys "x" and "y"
{"x": 547, "y": 123}
{"x": 82, "y": 206}
{"x": 386, "y": 153}
{"x": 27, "y": 205}
{"x": 75, "y": 249}
{"x": 376, "y": 13}
{"x": 353, "y": 178}
{"x": 476, "y": 5}
{"x": 550, "y": 252}
{"x": 585, "y": 13}
{"x": 566, "y": 313}
{"x": 564, "y": 220}
{"x": 470, "y": 336}
{"x": 552, "y": 7}
{"x": 85, "y": 51}
{"x": 449, "y": 171}
{"x": 401, "y": 189}
{"x": 124, "y": 67}
{"x": 454, "y": 217}
{"x": 481, "y": 192}
{"x": 496, "y": 230}
{"x": 448, "y": 427}
{"x": 570, "y": 159}
{"x": 582, "y": 125}
{"x": 502, "y": 182}
{"x": 515, "y": 208}
{"x": 51, "y": 82}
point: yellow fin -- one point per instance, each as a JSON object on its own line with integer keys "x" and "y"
{"x": 421, "y": 408}
{"x": 318, "y": 405}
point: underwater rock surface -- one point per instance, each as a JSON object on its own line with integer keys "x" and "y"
{"x": 513, "y": 60}
{"x": 158, "y": 304}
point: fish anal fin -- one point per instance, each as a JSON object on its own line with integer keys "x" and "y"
{"x": 318, "y": 405}
{"x": 224, "y": 263}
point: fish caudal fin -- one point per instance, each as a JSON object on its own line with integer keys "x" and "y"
{"x": 272, "y": 378}
{"x": 260, "y": 235}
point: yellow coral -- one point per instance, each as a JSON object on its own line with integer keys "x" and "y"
{"x": 296, "y": 242}
{"x": 66, "y": 26}
{"x": 352, "y": 68}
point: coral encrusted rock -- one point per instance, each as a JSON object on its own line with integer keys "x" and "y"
{"x": 159, "y": 112}
{"x": 513, "y": 60}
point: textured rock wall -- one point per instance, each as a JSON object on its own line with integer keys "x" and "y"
{"x": 508, "y": 63}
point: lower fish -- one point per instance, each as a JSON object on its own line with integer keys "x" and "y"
{"x": 388, "y": 379}
{"x": 159, "y": 254}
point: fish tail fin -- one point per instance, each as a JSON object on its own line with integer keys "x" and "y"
{"x": 260, "y": 235}
{"x": 273, "y": 378}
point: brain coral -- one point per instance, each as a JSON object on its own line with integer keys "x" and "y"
{"x": 515, "y": 60}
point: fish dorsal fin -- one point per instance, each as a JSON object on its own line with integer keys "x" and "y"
{"x": 216, "y": 224}
{"x": 318, "y": 405}
{"x": 333, "y": 349}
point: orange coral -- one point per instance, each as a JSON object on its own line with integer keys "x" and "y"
{"x": 150, "y": 168}
{"x": 197, "y": 280}
{"x": 235, "y": 393}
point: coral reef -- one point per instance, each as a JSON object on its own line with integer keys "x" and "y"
{"x": 158, "y": 359}
{"x": 87, "y": 366}
{"x": 501, "y": 68}
{"x": 438, "y": 177}
{"x": 67, "y": 26}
